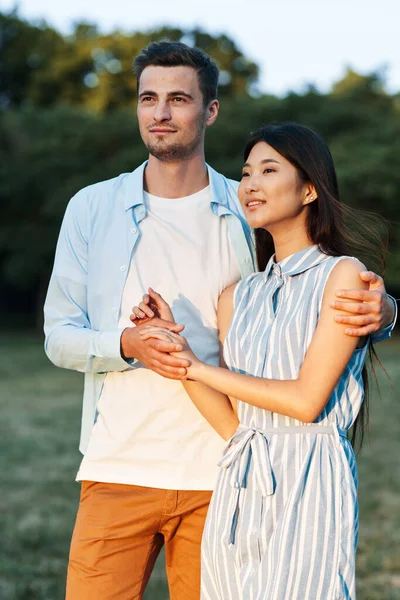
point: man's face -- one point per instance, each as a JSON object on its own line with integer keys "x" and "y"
{"x": 171, "y": 114}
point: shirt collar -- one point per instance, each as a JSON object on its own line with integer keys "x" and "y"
{"x": 132, "y": 188}
{"x": 296, "y": 263}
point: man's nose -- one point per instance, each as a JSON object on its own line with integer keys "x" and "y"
{"x": 162, "y": 111}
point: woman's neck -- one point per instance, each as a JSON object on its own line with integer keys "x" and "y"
{"x": 289, "y": 242}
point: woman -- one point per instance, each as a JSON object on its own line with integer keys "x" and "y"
{"x": 282, "y": 523}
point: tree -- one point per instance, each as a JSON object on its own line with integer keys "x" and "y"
{"x": 93, "y": 70}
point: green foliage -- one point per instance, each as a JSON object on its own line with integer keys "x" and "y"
{"x": 93, "y": 70}
{"x": 26, "y": 50}
{"x": 67, "y": 120}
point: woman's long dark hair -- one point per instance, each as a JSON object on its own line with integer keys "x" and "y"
{"x": 337, "y": 229}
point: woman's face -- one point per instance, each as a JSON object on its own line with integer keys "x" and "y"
{"x": 271, "y": 192}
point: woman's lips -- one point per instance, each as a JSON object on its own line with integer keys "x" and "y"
{"x": 254, "y": 204}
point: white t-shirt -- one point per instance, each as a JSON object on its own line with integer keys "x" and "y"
{"x": 148, "y": 432}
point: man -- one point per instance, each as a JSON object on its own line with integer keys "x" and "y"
{"x": 174, "y": 223}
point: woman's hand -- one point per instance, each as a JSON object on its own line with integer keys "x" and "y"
{"x": 166, "y": 335}
{"x": 152, "y": 305}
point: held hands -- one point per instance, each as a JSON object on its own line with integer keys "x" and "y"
{"x": 154, "y": 353}
{"x": 155, "y": 324}
{"x": 156, "y": 327}
{"x": 372, "y": 311}
{"x": 148, "y": 332}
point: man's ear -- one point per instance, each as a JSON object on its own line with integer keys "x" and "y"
{"x": 212, "y": 112}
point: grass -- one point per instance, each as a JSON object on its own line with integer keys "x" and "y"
{"x": 39, "y": 428}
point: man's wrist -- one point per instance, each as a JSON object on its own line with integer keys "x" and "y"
{"x": 125, "y": 347}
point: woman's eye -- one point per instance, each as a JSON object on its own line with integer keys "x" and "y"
{"x": 245, "y": 175}
{"x": 269, "y": 171}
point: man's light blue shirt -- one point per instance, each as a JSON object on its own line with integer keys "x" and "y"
{"x": 98, "y": 237}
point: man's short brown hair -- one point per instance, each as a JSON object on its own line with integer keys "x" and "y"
{"x": 176, "y": 54}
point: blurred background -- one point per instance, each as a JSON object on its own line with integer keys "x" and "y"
{"x": 67, "y": 120}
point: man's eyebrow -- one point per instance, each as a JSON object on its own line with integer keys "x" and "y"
{"x": 180, "y": 93}
{"x": 147, "y": 93}
{"x": 170, "y": 94}
{"x": 265, "y": 161}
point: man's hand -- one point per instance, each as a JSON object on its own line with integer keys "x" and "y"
{"x": 370, "y": 310}
{"x": 153, "y": 353}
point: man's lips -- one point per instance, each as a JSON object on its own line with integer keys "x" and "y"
{"x": 160, "y": 130}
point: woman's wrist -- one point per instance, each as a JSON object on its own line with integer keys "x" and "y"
{"x": 196, "y": 369}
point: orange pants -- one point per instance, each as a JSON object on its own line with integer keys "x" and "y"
{"x": 119, "y": 531}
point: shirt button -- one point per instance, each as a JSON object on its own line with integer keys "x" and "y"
{"x": 133, "y": 230}
{"x": 122, "y": 268}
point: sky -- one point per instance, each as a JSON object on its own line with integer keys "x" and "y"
{"x": 294, "y": 42}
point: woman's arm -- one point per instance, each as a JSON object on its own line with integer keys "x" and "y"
{"x": 302, "y": 398}
{"x": 330, "y": 351}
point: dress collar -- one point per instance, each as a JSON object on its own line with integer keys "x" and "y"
{"x": 296, "y": 263}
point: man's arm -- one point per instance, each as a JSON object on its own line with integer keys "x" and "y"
{"x": 370, "y": 311}
{"x": 70, "y": 340}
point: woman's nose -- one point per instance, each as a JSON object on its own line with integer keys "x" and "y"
{"x": 251, "y": 185}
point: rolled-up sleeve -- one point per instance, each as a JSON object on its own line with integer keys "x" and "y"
{"x": 386, "y": 332}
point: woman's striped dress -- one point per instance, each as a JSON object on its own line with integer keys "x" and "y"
{"x": 282, "y": 523}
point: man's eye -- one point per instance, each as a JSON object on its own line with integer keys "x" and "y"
{"x": 147, "y": 99}
{"x": 177, "y": 99}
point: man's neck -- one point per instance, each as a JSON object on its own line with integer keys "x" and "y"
{"x": 175, "y": 180}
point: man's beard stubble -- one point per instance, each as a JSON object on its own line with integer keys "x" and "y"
{"x": 177, "y": 152}
{"x": 172, "y": 153}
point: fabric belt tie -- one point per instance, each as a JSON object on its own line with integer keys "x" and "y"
{"x": 247, "y": 442}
